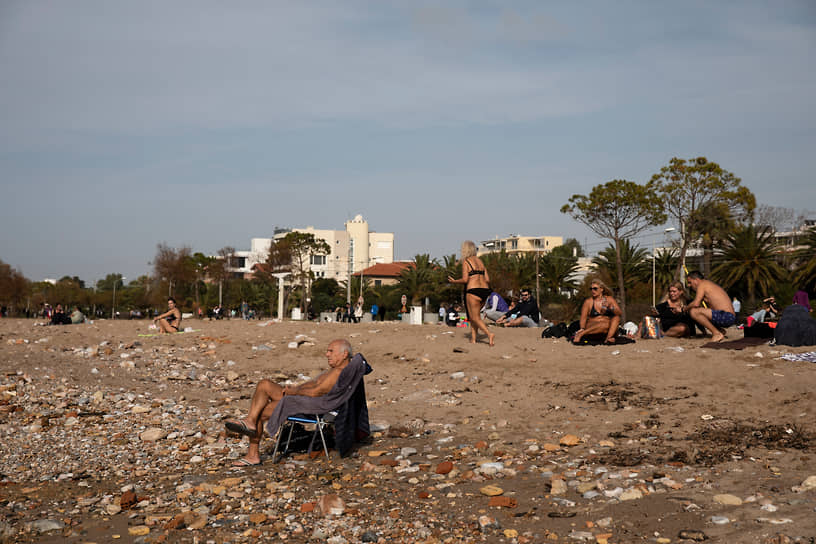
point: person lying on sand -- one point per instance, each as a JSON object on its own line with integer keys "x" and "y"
{"x": 268, "y": 394}
{"x": 720, "y": 312}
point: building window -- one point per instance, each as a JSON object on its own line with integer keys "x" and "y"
{"x": 318, "y": 260}
{"x": 513, "y": 244}
{"x": 377, "y": 283}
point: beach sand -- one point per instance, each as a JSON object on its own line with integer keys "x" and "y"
{"x": 631, "y": 443}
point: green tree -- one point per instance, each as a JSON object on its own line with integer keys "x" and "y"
{"x": 302, "y": 247}
{"x": 688, "y": 186}
{"x": 748, "y": 263}
{"x": 804, "y": 274}
{"x": 570, "y": 248}
{"x": 617, "y": 210}
{"x": 14, "y": 288}
{"x": 634, "y": 261}
{"x": 418, "y": 281}
{"x": 173, "y": 266}
{"x": 557, "y": 271}
{"x": 664, "y": 267}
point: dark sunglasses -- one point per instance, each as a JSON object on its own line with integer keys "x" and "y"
{"x": 594, "y": 288}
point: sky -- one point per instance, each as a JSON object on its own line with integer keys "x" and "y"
{"x": 207, "y": 123}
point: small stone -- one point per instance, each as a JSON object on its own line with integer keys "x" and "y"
{"x": 807, "y": 485}
{"x": 258, "y": 518}
{"x": 503, "y": 502}
{"x": 113, "y": 509}
{"x": 486, "y": 522}
{"x": 491, "y": 490}
{"x": 47, "y": 525}
{"x": 510, "y": 533}
{"x": 444, "y": 467}
{"x": 138, "y": 530}
{"x": 569, "y": 440}
{"x": 331, "y": 505}
{"x": 690, "y": 534}
{"x": 152, "y": 434}
{"x": 720, "y": 520}
{"x": 631, "y": 494}
{"x": 307, "y": 507}
{"x": 730, "y": 500}
{"x": 128, "y": 499}
{"x": 558, "y": 486}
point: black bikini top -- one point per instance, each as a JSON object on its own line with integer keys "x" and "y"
{"x": 473, "y": 271}
{"x": 608, "y": 311}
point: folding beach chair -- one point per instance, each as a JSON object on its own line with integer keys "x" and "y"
{"x": 348, "y": 421}
{"x": 320, "y": 421}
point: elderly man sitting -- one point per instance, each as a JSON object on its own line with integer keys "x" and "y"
{"x": 271, "y": 404}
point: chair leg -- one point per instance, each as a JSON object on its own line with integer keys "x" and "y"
{"x": 323, "y": 441}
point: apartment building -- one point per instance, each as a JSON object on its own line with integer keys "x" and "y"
{"x": 516, "y": 243}
{"x": 353, "y": 249}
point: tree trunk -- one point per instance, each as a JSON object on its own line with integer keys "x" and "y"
{"x": 621, "y": 288}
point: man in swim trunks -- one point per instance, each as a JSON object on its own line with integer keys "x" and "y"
{"x": 720, "y": 312}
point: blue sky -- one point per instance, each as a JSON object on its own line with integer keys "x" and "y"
{"x": 127, "y": 124}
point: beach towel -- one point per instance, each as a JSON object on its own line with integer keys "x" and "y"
{"x": 809, "y": 357}
{"x": 347, "y": 397}
{"x": 739, "y": 343}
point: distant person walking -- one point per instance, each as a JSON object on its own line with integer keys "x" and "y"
{"x": 477, "y": 288}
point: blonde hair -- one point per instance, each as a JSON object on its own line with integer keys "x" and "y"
{"x": 606, "y": 291}
{"x": 680, "y": 287}
{"x": 468, "y": 249}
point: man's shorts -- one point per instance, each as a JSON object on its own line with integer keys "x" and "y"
{"x": 722, "y": 319}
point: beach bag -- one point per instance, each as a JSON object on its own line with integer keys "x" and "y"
{"x": 795, "y": 327}
{"x": 650, "y": 328}
{"x": 555, "y": 331}
{"x": 759, "y": 330}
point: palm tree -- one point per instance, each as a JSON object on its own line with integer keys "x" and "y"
{"x": 665, "y": 265}
{"x": 748, "y": 264}
{"x": 556, "y": 273}
{"x": 418, "y": 281}
{"x": 634, "y": 264}
{"x": 804, "y": 276}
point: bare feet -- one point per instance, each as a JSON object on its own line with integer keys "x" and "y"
{"x": 719, "y": 337}
{"x": 490, "y": 338}
{"x": 610, "y": 340}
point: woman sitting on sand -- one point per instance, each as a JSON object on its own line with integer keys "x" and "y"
{"x": 600, "y": 315}
{"x": 674, "y": 319}
{"x": 169, "y": 321}
{"x": 477, "y": 289}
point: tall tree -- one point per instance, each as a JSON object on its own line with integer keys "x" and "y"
{"x": 302, "y": 247}
{"x": 617, "y": 210}
{"x": 418, "y": 281}
{"x": 664, "y": 266}
{"x": 14, "y": 287}
{"x": 687, "y": 186}
{"x": 748, "y": 263}
{"x": 715, "y": 223}
{"x": 804, "y": 274}
{"x": 634, "y": 260}
{"x": 173, "y": 266}
{"x": 557, "y": 271}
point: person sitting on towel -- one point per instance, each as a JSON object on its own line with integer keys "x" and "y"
{"x": 268, "y": 395}
{"x": 600, "y": 315}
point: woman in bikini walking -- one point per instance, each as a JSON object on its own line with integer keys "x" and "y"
{"x": 169, "y": 321}
{"x": 477, "y": 289}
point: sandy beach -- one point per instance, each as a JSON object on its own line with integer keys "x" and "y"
{"x": 656, "y": 441}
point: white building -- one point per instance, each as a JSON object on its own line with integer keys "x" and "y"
{"x": 353, "y": 249}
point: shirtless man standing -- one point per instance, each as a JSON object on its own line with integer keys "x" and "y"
{"x": 720, "y": 313}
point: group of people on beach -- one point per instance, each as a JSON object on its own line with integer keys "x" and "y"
{"x": 711, "y": 309}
